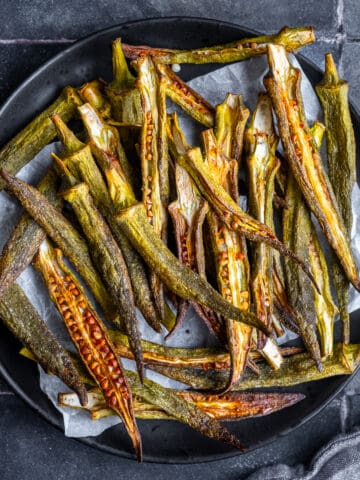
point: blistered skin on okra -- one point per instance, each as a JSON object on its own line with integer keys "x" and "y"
{"x": 188, "y": 214}
{"x": 290, "y": 38}
{"x": 229, "y": 247}
{"x": 283, "y": 85}
{"x": 232, "y": 406}
{"x": 341, "y": 157}
{"x": 110, "y": 262}
{"x": 26, "y": 238}
{"x": 296, "y": 369}
{"x": 38, "y": 133}
{"x": 179, "y": 278}
{"x": 154, "y": 158}
{"x": 60, "y": 230}
{"x": 229, "y": 212}
{"x": 262, "y": 164}
{"x": 21, "y": 318}
{"x": 89, "y": 336}
{"x": 92, "y": 92}
{"x": 187, "y": 98}
{"x": 120, "y": 194}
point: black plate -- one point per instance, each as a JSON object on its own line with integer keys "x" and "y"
{"x": 164, "y": 441}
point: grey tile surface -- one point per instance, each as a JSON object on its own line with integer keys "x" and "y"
{"x": 31, "y": 32}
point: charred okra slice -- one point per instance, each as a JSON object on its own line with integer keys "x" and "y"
{"x": 187, "y": 98}
{"x": 341, "y": 157}
{"x": 228, "y": 210}
{"x": 21, "y": 318}
{"x": 283, "y": 85}
{"x": 228, "y": 246}
{"x": 92, "y": 92}
{"x": 79, "y": 161}
{"x": 26, "y": 238}
{"x": 179, "y": 278}
{"x": 38, "y": 133}
{"x": 262, "y": 164}
{"x": 60, "y": 230}
{"x": 110, "y": 262}
{"x": 188, "y": 214}
{"x": 89, "y": 336}
{"x": 296, "y": 235}
{"x": 232, "y": 406}
{"x": 296, "y": 369}
{"x": 154, "y": 158}
{"x": 290, "y": 38}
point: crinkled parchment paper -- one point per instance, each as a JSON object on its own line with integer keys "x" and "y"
{"x": 245, "y": 78}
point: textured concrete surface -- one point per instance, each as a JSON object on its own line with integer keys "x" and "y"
{"x": 32, "y": 31}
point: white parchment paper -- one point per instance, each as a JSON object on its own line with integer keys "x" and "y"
{"x": 245, "y": 78}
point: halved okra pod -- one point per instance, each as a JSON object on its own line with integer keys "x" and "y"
{"x": 26, "y": 238}
{"x": 188, "y": 214}
{"x": 179, "y": 278}
{"x": 296, "y": 369}
{"x": 232, "y": 406}
{"x": 290, "y": 38}
{"x": 60, "y": 230}
{"x": 24, "y": 322}
{"x": 262, "y": 164}
{"x": 154, "y": 158}
{"x": 228, "y": 246}
{"x": 89, "y": 336}
{"x": 38, "y": 133}
{"x": 110, "y": 262}
{"x": 341, "y": 158}
{"x": 283, "y": 85}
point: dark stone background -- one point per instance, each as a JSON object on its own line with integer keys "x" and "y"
{"x": 31, "y": 32}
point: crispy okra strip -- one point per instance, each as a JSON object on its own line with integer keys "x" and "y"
{"x": 179, "y": 278}
{"x": 290, "y": 38}
{"x": 60, "y": 230}
{"x": 262, "y": 164}
{"x": 78, "y": 159}
{"x": 232, "y": 406}
{"x": 296, "y": 225}
{"x": 110, "y": 262}
{"x": 324, "y": 306}
{"x": 154, "y": 158}
{"x": 89, "y": 336}
{"x": 24, "y": 322}
{"x": 283, "y": 85}
{"x": 228, "y": 246}
{"x": 296, "y": 369}
{"x": 228, "y": 210}
{"x": 38, "y": 133}
{"x": 341, "y": 157}
{"x": 205, "y": 358}
{"x": 26, "y": 238}
{"x": 122, "y": 92}
{"x": 188, "y": 214}
{"x": 187, "y": 98}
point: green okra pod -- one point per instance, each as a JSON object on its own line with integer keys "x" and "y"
{"x": 341, "y": 157}
{"x": 290, "y": 38}
{"x": 262, "y": 163}
{"x": 283, "y": 85}
{"x": 21, "y": 318}
{"x": 60, "y": 230}
{"x": 178, "y": 277}
{"x": 296, "y": 369}
{"x": 92, "y": 92}
{"x": 26, "y": 238}
{"x": 38, "y": 133}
